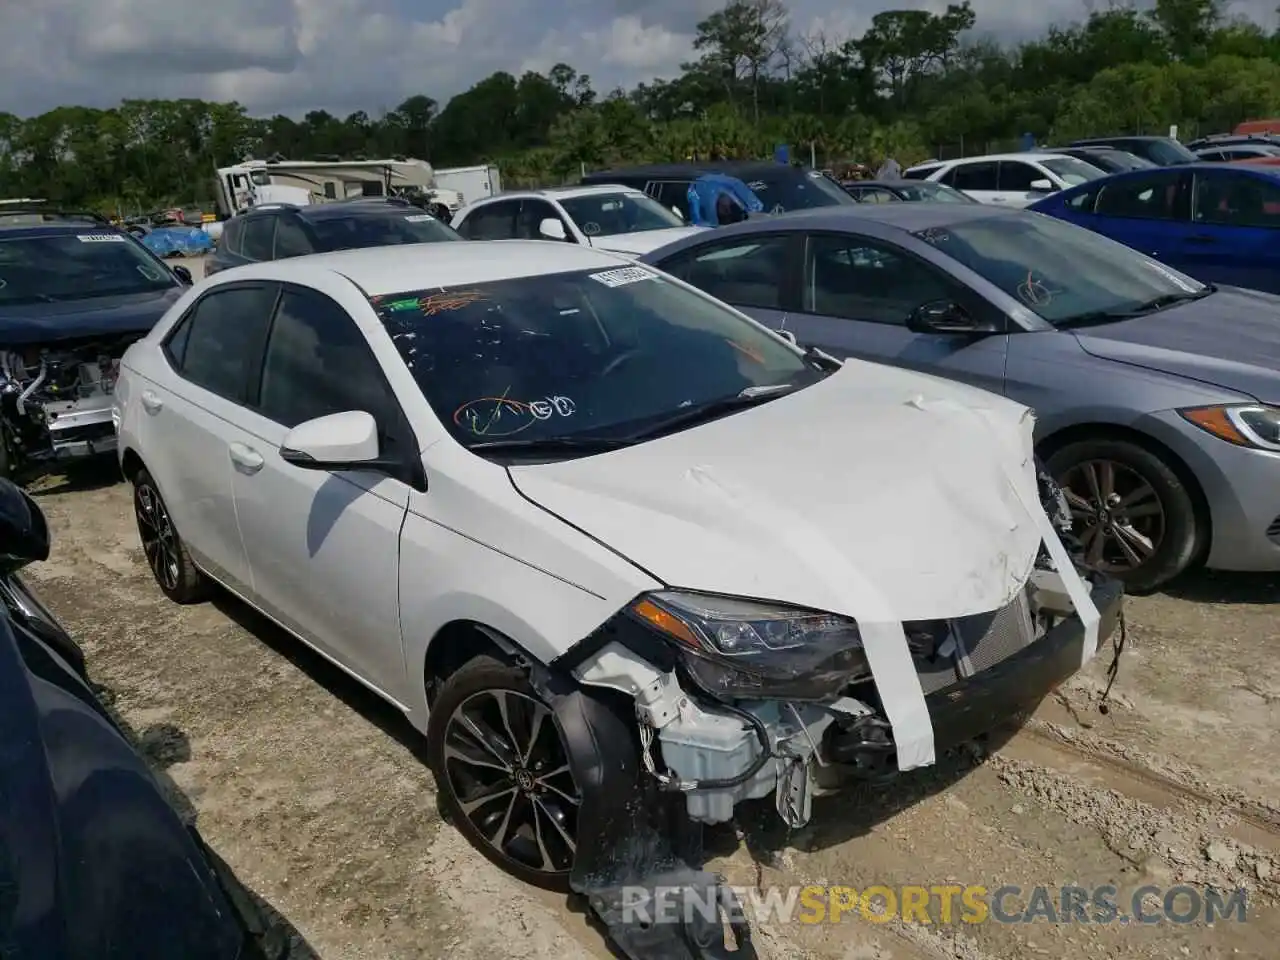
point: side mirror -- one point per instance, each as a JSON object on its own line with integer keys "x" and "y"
{"x": 24, "y": 534}
{"x": 183, "y": 274}
{"x": 552, "y": 229}
{"x": 946, "y": 317}
{"x": 340, "y": 441}
{"x": 1042, "y": 186}
{"x": 788, "y": 336}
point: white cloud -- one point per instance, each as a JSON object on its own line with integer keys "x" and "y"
{"x": 342, "y": 55}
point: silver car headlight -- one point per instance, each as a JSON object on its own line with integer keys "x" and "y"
{"x": 1255, "y": 425}
{"x": 749, "y": 649}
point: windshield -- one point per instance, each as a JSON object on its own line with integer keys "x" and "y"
{"x": 589, "y": 354}
{"x": 77, "y": 266}
{"x": 379, "y": 230}
{"x": 1170, "y": 152}
{"x": 609, "y": 214}
{"x": 1056, "y": 269}
{"x": 798, "y": 190}
{"x": 933, "y": 192}
{"x": 1073, "y": 172}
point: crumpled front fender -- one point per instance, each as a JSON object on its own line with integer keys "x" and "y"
{"x": 623, "y": 859}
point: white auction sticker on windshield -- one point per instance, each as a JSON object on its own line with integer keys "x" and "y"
{"x": 623, "y": 276}
{"x": 420, "y": 218}
{"x": 100, "y": 238}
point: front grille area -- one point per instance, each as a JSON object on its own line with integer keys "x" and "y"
{"x": 945, "y": 651}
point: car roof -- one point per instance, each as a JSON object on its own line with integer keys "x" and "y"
{"x": 423, "y": 266}
{"x": 738, "y": 168}
{"x": 562, "y": 193}
{"x": 1116, "y": 138}
{"x": 909, "y": 217}
{"x": 985, "y": 158}
{"x": 15, "y": 231}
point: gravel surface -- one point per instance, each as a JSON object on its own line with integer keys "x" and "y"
{"x": 315, "y": 792}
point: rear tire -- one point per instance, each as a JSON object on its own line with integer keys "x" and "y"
{"x": 175, "y": 572}
{"x": 1145, "y": 513}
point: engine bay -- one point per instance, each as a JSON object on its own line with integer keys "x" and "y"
{"x": 55, "y": 400}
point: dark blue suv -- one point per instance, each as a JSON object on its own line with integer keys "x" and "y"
{"x": 75, "y": 292}
{"x": 273, "y": 231}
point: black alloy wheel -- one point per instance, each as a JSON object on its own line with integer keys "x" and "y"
{"x": 503, "y": 772}
{"x": 175, "y": 572}
{"x": 1133, "y": 516}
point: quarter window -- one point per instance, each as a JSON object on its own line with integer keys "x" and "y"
{"x": 220, "y": 340}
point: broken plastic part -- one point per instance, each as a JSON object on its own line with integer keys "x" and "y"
{"x": 619, "y": 848}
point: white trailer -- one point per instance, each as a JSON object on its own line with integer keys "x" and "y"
{"x": 474, "y": 183}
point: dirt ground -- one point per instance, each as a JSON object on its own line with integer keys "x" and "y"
{"x": 315, "y": 793}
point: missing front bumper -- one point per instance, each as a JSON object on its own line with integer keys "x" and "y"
{"x": 820, "y": 748}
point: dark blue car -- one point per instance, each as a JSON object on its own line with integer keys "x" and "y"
{"x": 75, "y": 292}
{"x": 95, "y": 864}
{"x": 1220, "y": 223}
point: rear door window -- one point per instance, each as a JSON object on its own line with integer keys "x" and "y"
{"x": 219, "y": 342}
{"x": 746, "y": 272}
{"x": 259, "y": 238}
{"x": 973, "y": 176}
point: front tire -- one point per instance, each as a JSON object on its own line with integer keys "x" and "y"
{"x": 175, "y": 572}
{"x": 502, "y": 772}
{"x": 1134, "y": 517}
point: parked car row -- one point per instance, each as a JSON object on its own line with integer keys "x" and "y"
{"x": 633, "y": 518}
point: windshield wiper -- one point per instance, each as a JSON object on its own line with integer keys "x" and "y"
{"x": 702, "y": 412}
{"x": 551, "y": 445}
{"x": 1141, "y": 310}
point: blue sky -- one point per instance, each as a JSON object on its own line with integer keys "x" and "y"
{"x": 291, "y": 56}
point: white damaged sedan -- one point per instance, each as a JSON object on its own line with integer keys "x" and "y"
{"x": 607, "y": 542}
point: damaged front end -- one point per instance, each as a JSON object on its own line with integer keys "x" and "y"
{"x": 727, "y": 699}
{"x": 55, "y": 400}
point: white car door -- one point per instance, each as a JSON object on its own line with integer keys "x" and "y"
{"x": 324, "y": 546}
{"x": 978, "y": 178}
{"x": 182, "y": 418}
{"x": 1016, "y": 177}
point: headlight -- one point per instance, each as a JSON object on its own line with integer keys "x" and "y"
{"x": 1254, "y": 425}
{"x": 747, "y": 649}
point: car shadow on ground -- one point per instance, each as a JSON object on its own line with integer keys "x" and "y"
{"x": 163, "y": 745}
{"x": 1216, "y": 586}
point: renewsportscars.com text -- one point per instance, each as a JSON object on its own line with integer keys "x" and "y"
{"x": 941, "y": 904}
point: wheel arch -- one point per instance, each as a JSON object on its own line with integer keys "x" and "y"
{"x": 1077, "y": 432}
{"x": 458, "y": 642}
{"x": 131, "y": 463}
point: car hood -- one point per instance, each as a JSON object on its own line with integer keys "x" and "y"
{"x": 32, "y": 323}
{"x": 635, "y": 244}
{"x": 877, "y": 493}
{"x": 1230, "y": 339}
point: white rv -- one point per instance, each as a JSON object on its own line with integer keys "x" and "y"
{"x": 304, "y": 182}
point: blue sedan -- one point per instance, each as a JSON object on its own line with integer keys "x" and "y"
{"x": 1155, "y": 395}
{"x": 1220, "y": 223}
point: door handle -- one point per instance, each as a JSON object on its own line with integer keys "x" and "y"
{"x": 245, "y": 458}
{"x": 1201, "y": 238}
{"x": 151, "y": 401}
